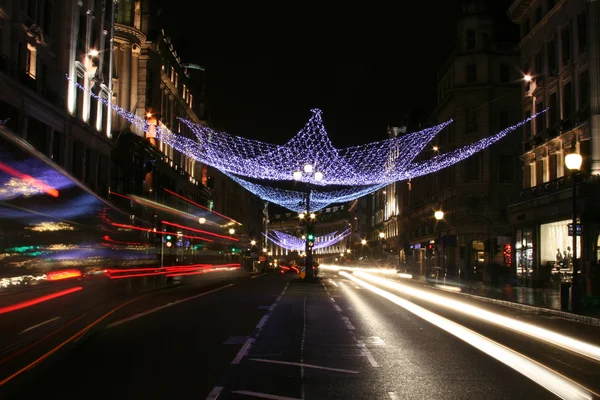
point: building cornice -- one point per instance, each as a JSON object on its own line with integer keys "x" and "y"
{"x": 129, "y": 34}
{"x": 518, "y": 9}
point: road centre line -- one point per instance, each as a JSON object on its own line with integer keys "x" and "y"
{"x": 139, "y": 315}
{"x": 242, "y": 351}
{"x": 348, "y": 371}
{"x": 38, "y": 325}
{"x": 214, "y": 393}
{"x": 367, "y": 354}
{"x": 263, "y": 395}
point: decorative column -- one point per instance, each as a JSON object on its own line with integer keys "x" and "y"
{"x": 134, "y": 96}
{"x": 593, "y": 8}
{"x": 125, "y": 77}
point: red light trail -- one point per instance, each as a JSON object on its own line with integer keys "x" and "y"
{"x": 38, "y": 300}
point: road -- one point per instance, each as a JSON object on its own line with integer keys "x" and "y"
{"x": 347, "y": 336}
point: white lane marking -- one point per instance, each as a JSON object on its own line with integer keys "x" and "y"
{"x": 136, "y": 316}
{"x": 348, "y": 371}
{"x": 367, "y": 354}
{"x": 38, "y": 325}
{"x": 256, "y": 276}
{"x": 262, "y": 321}
{"x": 337, "y": 308}
{"x": 393, "y": 396}
{"x": 553, "y": 381}
{"x": 243, "y": 351}
{"x": 214, "y": 393}
{"x": 335, "y": 284}
{"x": 332, "y": 299}
{"x": 263, "y": 395}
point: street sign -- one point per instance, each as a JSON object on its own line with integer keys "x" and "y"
{"x": 579, "y": 229}
{"x": 303, "y": 272}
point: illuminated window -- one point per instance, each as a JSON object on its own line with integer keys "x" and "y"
{"x": 31, "y": 65}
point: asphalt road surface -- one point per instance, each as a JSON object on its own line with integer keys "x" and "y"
{"x": 277, "y": 337}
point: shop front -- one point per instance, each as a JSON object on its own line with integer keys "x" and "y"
{"x": 544, "y": 254}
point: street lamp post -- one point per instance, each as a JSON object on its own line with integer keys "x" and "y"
{"x": 439, "y": 215}
{"x": 573, "y": 162}
{"x": 317, "y": 176}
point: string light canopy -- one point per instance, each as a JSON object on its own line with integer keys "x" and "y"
{"x": 293, "y": 243}
{"x": 354, "y": 171}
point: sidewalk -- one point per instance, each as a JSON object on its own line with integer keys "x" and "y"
{"x": 526, "y": 298}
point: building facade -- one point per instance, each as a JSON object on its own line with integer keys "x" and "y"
{"x": 479, "y": 88}
{"x": 41, "y": 44}
{"x": 559, "y": 60}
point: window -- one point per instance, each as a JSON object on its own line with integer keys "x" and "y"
{"x": 553, "y": 110}
{"x": 57, "y": 150}
{"x": 504, "y": 73}
{"x": 538, "y": 14}
{"x": 77, "y": 161}
{"x": 582, "y": 33}
{"x": 539, "y": 172}
{"x": 37, "y": 135}
{"x": 527, "y": 176}
{"x": 540, "y": 121}
{"x": 565, "y": 41}
{"x": 47, "y": 23}
{"x": 503, "y": 119}
{"x": 81, "y": 44}
{"x": 471, "y": 73}
{"x": 471, "y": 41}
{"x": 551, "y": 58}
{"x": 527, "y": 126}
{"x": 472, "y": 168}
{"x": 537, "y": 64}
{"x": 567, "y": 100}
{"x": 525, "y": 28}
{"x": 553, "y": 166}
{"x": 124, "y": 12}
{"x": 505, "y": 168}
{"x": 584, "y": 90}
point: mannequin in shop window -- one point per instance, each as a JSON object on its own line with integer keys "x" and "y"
{"x": 559, "y": 260}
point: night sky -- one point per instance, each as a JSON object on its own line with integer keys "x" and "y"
{"x": 365, "y": 67}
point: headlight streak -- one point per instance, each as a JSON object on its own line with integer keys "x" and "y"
{"x": 557, "y": 339}
{"x": 542, "y": 375}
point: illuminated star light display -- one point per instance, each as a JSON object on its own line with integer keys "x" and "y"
{"x": 361, "y": 169}
{"x": 294, "y": 243}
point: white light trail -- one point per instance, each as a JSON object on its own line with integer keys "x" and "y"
{"x": 536, "y": 332}
{"x": 542, "y": 375}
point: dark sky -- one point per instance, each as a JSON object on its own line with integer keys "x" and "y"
{"x": 364, "y": 65}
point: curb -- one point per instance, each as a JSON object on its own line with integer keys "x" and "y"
{"x": 526, "y": 307}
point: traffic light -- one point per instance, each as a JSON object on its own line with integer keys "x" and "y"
{"x": 169, "y": 241}
{"x": 311, "y": 239}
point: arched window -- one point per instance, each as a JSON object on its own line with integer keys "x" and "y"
{"x": 471, "y": 42}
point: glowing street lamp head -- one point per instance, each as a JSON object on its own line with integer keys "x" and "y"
{"x": 301, "y": 215}
{"x": 318, "y": 176}
{"x": 363, "y": 242}
{"x": 435, "y": 148}
{"x": 381, "y": 235}
{"x": 202, "y": 220}
{"x": 308, "y": 168}
{"x": 312, "y": 216}
{"x": 438, "y": 215}
{"x": 231, "y": 231}
{"x": 264, "y": 249}
{"x": 94, "y": 53}
{"x": 527, "y": 78}
{"x": 253, "y": 243}
{"x": 573, "y": 161}
{"x": 297, "y": 175}
{"x": 348, "y": 251}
